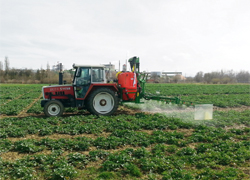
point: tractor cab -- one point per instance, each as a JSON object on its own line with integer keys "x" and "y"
{"x": 85, "y": 75}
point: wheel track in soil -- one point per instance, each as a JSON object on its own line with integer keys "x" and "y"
{"x": 9, "y": 100}
{"x": 24, "y": 113}
{"x": 24, "y": 110}
{"x": 122, "y": 110}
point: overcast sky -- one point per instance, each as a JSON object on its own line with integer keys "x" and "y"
{"x": 168, "y": 35}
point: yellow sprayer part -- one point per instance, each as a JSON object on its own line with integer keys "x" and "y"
{"x": 118, "y": 74}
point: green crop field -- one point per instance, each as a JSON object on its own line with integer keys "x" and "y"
{"x": 137, "y": 142}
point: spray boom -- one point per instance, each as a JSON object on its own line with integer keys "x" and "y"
{"x": 139, "y": 93}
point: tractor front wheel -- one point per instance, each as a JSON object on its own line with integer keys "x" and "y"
{"x": 102, "y": 101}
{"x": 53, "y": 108}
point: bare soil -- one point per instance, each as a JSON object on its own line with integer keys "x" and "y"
{"x": 58, "y": 136}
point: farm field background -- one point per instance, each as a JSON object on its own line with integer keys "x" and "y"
{"x": 130, "y": 144}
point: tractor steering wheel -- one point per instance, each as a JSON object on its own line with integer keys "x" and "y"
{"x": 81, "y": 81}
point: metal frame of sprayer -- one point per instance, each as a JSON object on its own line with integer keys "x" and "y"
{"x": 141, "y": 94}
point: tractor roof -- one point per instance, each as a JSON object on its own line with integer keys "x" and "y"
{"x": 93, "y": 66}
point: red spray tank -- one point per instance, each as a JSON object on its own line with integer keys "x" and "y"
{"x": 128, "y": 81}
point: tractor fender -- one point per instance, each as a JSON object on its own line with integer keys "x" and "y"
{"x": 93, "y": 87}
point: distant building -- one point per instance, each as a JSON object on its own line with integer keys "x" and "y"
{"x": 165, "y": 77}
{"x": 156, "y": 73}
{"x": 180, "y": 77}
{"x": 163, "y": 74}
{"x": 171, "y": 73}
{"x": 110, "y": 71}
{"x": 109, "y": 67}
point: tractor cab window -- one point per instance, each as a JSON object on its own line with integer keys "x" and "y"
{"x": 97, "y": 75}
{"x": 83, "y": 76}
{"x": 82, "y": 81}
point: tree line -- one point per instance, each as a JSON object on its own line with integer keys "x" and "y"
{"x": 30, "y": 76}
{"x": 223, "y": 77}
{"x": 48, "y": 76}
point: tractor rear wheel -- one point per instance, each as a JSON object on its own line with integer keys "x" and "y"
{"x": 53, "y": 108}
{"x": 102, "y": 101}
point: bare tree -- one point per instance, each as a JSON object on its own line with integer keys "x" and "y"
{"x": 208, "y": 77}
{"x": 1, "y": 68}
{"x": 48, "y": 68}
{"x": 1, "y": 72}
{"x": 243, "y": 77}
{"x": 199, "y": 77}
{"x": 7, "y": 64}
{"x": 155, "y": 77}
{"x": 176, "y": 78}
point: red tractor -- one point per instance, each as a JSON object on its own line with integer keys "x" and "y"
{"x": 91, "y": 91}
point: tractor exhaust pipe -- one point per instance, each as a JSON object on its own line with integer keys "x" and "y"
{"x": 60, "y": 74}
{"x": 60, "y": 78}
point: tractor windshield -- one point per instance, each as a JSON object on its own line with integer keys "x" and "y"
{"x": 82, "y": 76}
